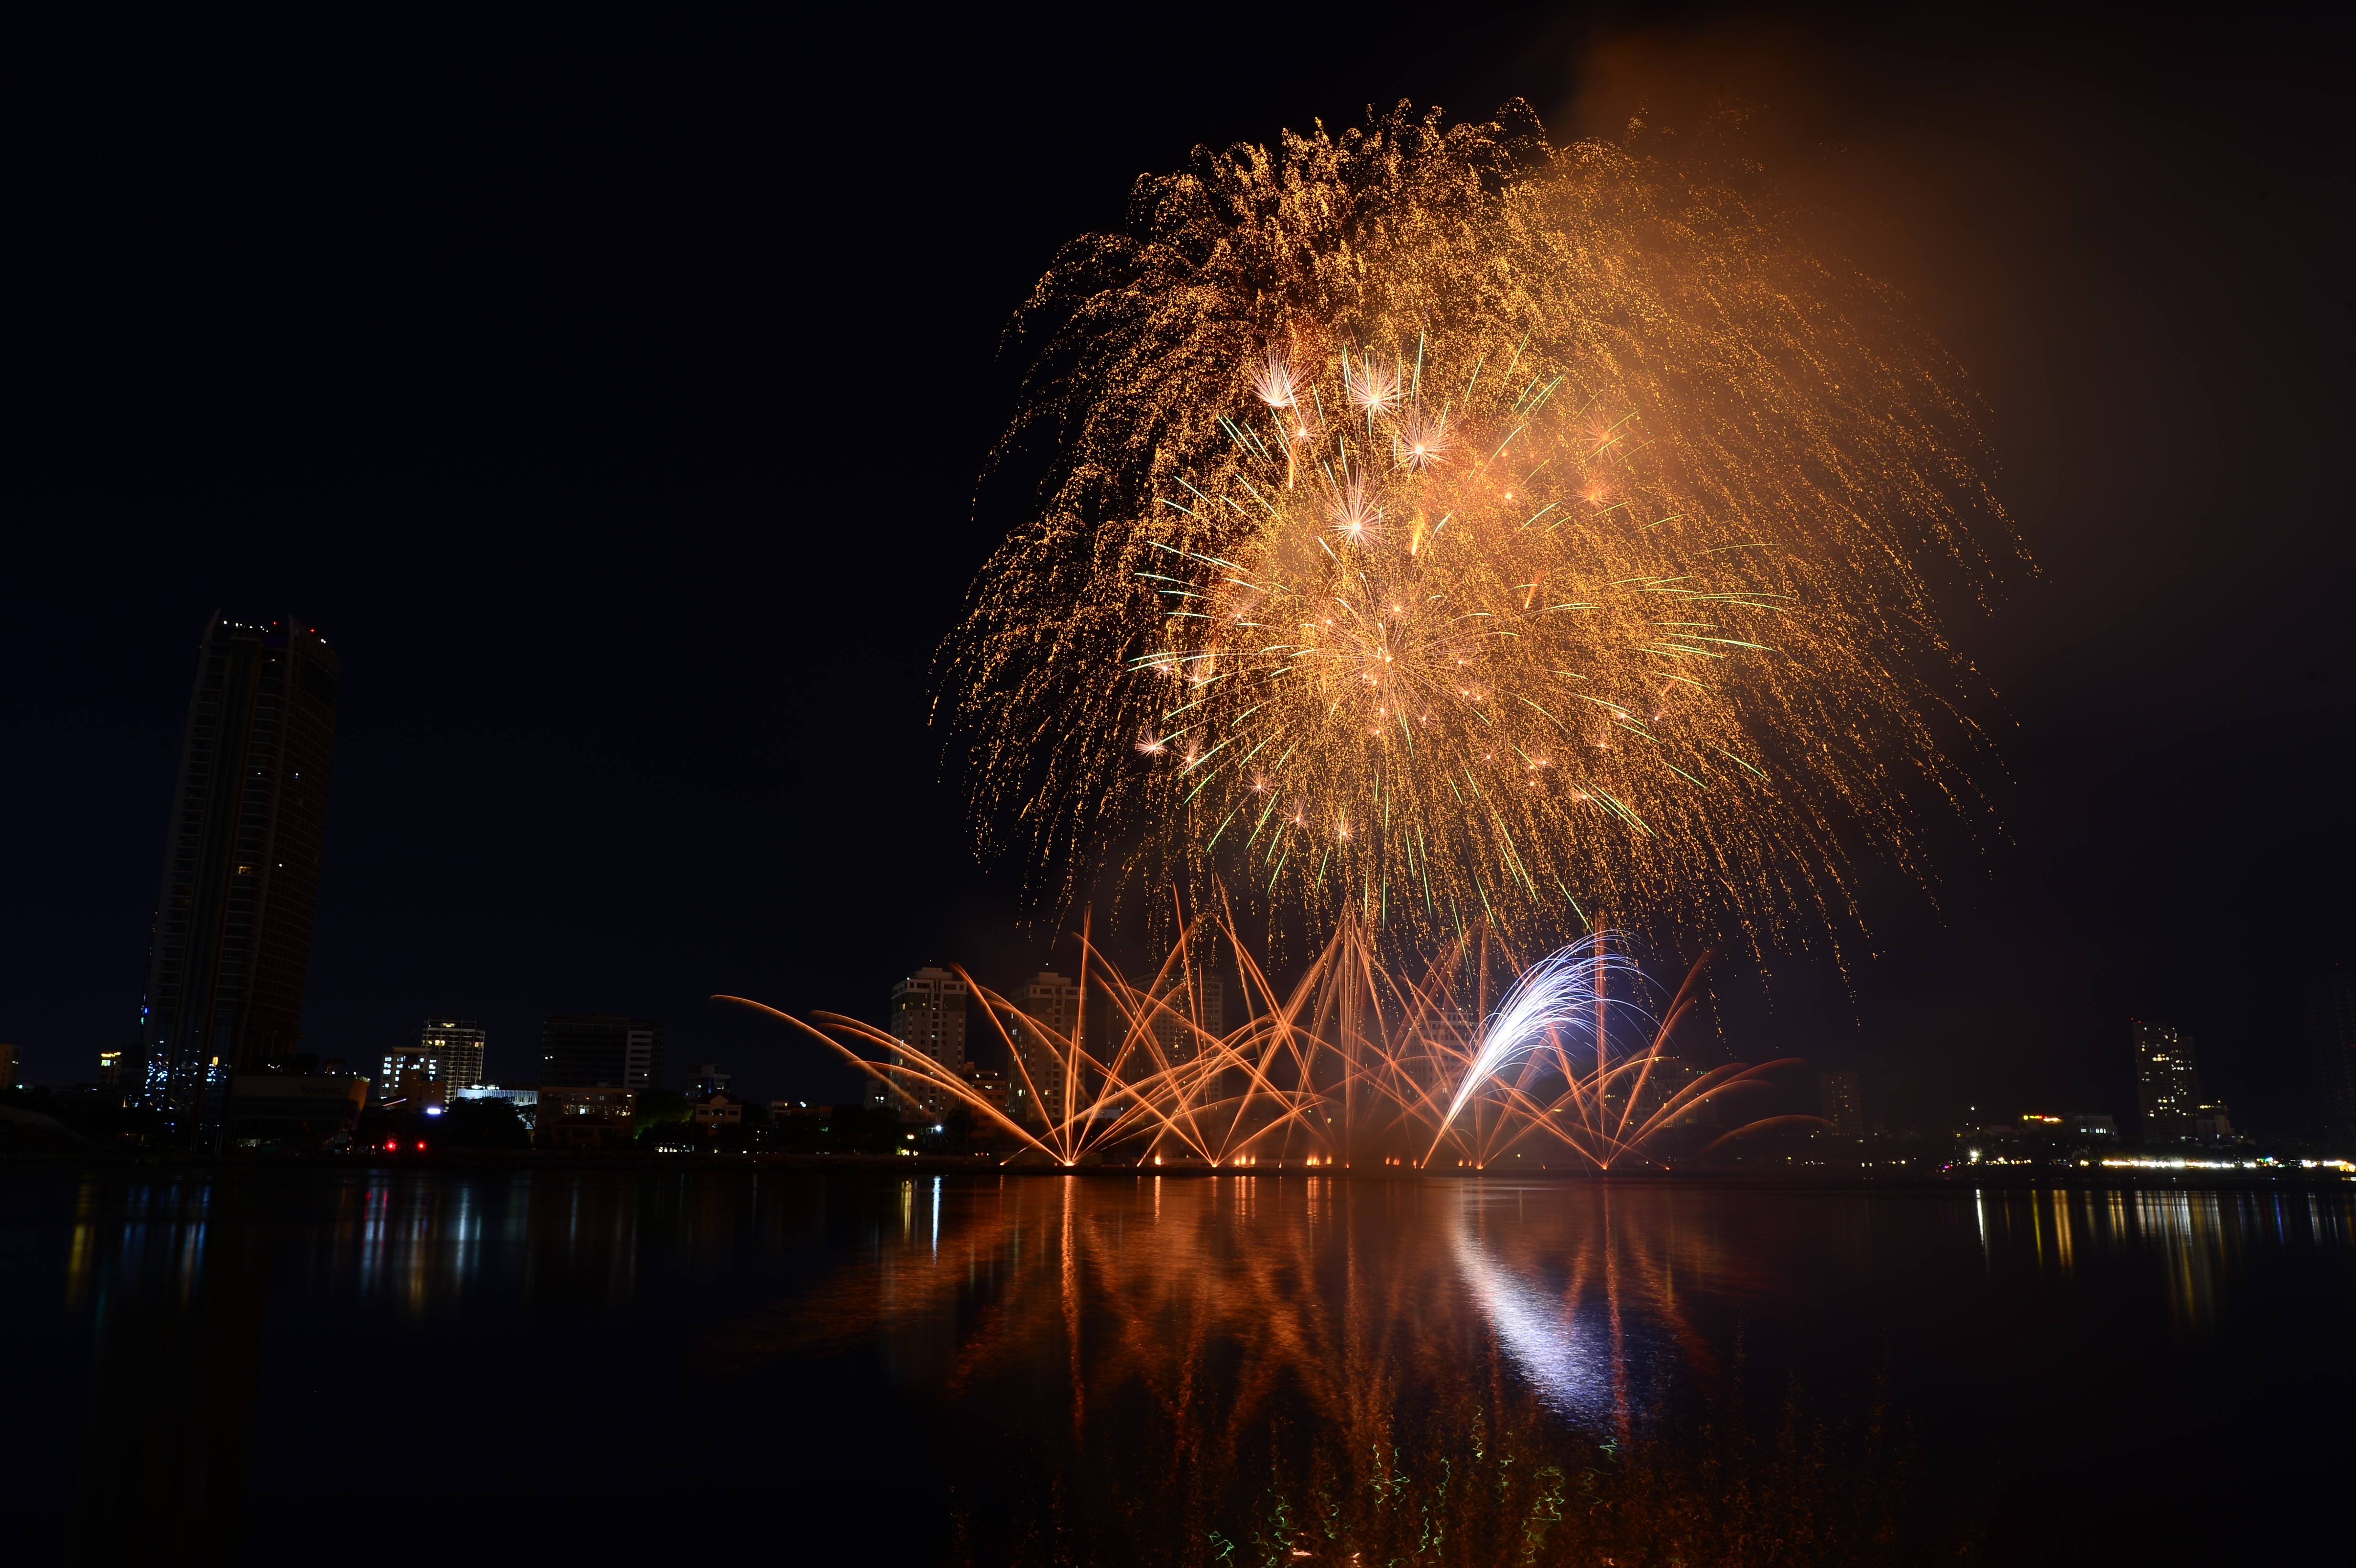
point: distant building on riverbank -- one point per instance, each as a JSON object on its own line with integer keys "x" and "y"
{"x": 524, "y": 1098}
{"x": 590, "y": 1050}
{"x": 229, "y": 948}
{"x": 448, "y": 1057}
{"x": 459, "y": 1044}
{"x": 1186, "y": 1008}
{"x": 717, "y": 1108}
{"x": 587, "y": 1119}
{"x": 1036, "y": 1086}
{"x": 1840, "y": 1100}
{"x": 304, "y": 1108}
{"x": 928, "y": 1016}
{"x": 2331, "y": 1052}
{"x": 991, "y": 1087}
{"x": 2167, "y": 1085}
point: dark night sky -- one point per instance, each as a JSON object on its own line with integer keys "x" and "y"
{"x": 611, "y": 398}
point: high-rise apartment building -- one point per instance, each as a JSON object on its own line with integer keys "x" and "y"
{"x": 1182, "y": 1014}
{"x": 991, "y": 1087}
{"x": 2331, "y": 1052}
{"x": 230, "y": 945}
{"x": 458, "y": 1044}
{"x": 928, "y": 1016}
{"x": 590, "y": 1050}
{"x": 1055, "y": 1002}
{"x": 1840, "y": 1100}
{"x": 2167, "y": 1085}
{"x": 448, "y": 1057}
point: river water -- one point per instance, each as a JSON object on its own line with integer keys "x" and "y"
{"x": 388, "y": 1365}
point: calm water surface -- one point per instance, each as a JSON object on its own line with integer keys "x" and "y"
{"x": 265, "y": 1367}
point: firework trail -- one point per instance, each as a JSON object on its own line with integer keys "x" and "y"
{"x": 1562, "y": 1003}
{"x": 1452, "y": 528}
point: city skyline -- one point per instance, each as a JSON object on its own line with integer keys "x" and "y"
{"x": 245, "y": 718}
{"x": 260, "y": 665}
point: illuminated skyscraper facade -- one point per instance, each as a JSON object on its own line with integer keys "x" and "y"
{"x": 231, "y": 946}
{"x": 2167, "y": 1085}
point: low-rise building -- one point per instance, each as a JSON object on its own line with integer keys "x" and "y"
{"x": 991, "y": 1087}
{"x": 591, "y": 1117}
{"x": 271, "y": 1107}
{"x": 718, "y": 1110}
{"x": 524, "y": 1097}
{"x": 2038, "y": 1138}
{"x": 415, "y": 1089}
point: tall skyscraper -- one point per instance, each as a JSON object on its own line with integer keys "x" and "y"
{"x": 2331, "y": 1052}
{"x": 588, "y": 1049}
{"x": 230, "y": 945}
{"x": 928, "y": 1016}
{"x": 2167, "y": 1085}
{"x": 1841, "y": 1102}
{"x": 1055, "y": 1002}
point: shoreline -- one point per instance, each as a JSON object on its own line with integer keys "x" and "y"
{"x": 1981, "y": 1178}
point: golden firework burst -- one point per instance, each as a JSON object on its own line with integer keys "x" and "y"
{"x": 1453, "y": 528}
